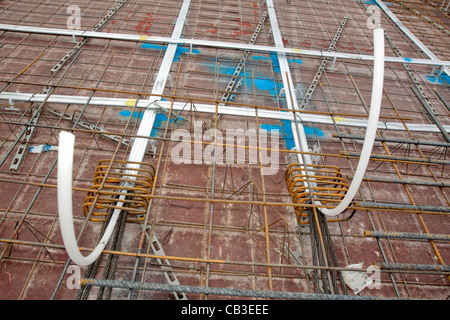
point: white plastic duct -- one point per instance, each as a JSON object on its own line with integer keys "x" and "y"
{"x": 65, "y": 164}
{"x": 369, "y": 139}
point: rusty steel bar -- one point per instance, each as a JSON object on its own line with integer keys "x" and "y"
{"x": 406, "y": 235}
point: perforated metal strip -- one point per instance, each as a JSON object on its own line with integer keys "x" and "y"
{"x": 312, "y": 86}
{"x": 236, "y": 81}
{"x": 80, "y": 44}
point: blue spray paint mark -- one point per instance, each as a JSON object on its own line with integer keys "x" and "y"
{"x": 261, "y": 83}
{"x": 295, "y": 60}
{"x": 441, "y": 80}
{"x": 158, "y": 119}
{"x": 152, "y": 46}
{"x": 136, "y": 114}
{"x": 286, "y": 129}
{"x": 314, "y": 132}
{"x": 266, "y": 84}
{"x": 287, "y": 134}
{"x": 275, "y": 63}
{"x": 178, "y": 52}
{"x": 181, "y": 50}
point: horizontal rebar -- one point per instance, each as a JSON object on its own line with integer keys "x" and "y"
{"x": 357, "y": 206}
{"x": 394, "y": 140}
{"x": 402, "y": 181}
{"x": 220, "y": 291}
{"x": 412, "y": 266}
{"x": 398, "y": 158}
{"x": 401, "y": 206}
{"x": 224, "y": 262}
{"x": 406, "y": 235}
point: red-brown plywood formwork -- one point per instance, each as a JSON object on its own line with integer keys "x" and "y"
{"x": 235, "y": 223}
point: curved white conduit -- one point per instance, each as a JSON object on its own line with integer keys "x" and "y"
{"x": 375, "y": 105}
{"x": 65, "y": 164}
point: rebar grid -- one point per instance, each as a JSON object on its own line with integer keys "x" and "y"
{"x": 222, "y": 225}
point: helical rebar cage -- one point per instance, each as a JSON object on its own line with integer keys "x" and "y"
{"x": 117, "y": 179}
{"x": 326, "y": 182}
